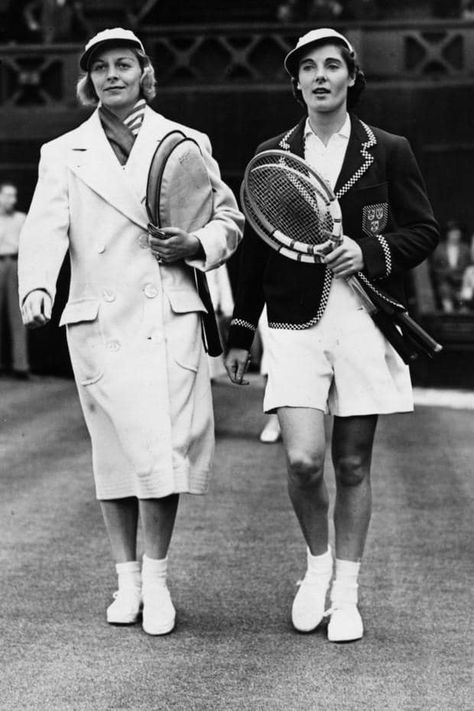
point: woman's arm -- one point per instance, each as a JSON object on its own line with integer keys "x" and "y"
{"x": 416, "y": 231}
{"x": 250, "y": 298}
{"x": 44, "y": 237}
{"x": 221, "y": 236}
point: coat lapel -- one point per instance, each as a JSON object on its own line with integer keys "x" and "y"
{"x": 358, "y": 156}
{"x": 94, "y": 162}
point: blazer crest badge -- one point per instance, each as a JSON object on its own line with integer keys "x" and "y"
{"x": 374, "y": 218}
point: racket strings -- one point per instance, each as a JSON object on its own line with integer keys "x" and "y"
{"x": 289, "y": 200}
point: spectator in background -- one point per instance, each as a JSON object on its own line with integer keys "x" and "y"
{"x": 290, "y": 11}
{"x": 11, "y": 222}
{"x": 467, "y": 10}
{"x": 446, "y": 8}
{"x": 449, "y": 262}
{"x": 467, "y": 285}
{"x": 56, "y": 20}
{"x": 360, "y": 10}
{"x": 467, "y": 289}
{"x": 324, "y": 10}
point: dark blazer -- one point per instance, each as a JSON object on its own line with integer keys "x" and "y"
{"x": 384, "y": 208}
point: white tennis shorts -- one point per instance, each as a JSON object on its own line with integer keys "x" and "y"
{"x": 343, "y": 365}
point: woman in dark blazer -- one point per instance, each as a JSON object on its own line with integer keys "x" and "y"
{"x": 326, "y": 356}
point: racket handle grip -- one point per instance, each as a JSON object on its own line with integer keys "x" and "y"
{"x": 405, "y": 350}
{"x": 418, "y": 334}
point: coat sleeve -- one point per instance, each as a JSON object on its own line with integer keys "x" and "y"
{"x": 415, "y": 232}
{"x": 221, "y": 236}
{"x": 44, "y": 237}
{"x": 250, "y": 296}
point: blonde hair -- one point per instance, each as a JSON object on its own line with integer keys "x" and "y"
{"x": 85, "y": 88}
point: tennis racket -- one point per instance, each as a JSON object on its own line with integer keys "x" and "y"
{"x": 179, "y": 194}
{"x": 293, "y": 209}
{"x": 155, "y": 174}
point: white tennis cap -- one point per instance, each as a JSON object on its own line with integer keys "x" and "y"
{"x": 324, "y": 33}
{"x": 116, "y": 35}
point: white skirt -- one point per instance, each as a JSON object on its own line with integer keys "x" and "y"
{"x": 343, "y": 365}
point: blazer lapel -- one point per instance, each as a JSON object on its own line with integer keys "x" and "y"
{"x": 95, "y": 163}
{"x": 293, "y": 140}
{"x": 358, "y": 156}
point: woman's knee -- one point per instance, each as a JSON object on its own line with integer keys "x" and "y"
{"x": 305, "y": 470}
{"x": 351, "y": 470}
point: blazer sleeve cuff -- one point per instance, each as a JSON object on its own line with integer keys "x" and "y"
{"x": 241, "y": 334}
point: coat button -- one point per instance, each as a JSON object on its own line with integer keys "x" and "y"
{"x": 101, "y": 248}
{"x": 150, "y": 291}
{"x": 113, "y": 346}
{"x": 108, "y": 295}
{"x": 143, "y": 241}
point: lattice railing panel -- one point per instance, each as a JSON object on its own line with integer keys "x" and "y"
{"x": 233, "y": 56}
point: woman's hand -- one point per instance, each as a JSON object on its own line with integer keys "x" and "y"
{"x": 170, "y": 244}
{"x": 346, "y": 259}
{"x": 36, "y": 309}
{"x": 236, "y": 364}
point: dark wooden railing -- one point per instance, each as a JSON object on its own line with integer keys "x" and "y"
{"x": 231, "y": 56}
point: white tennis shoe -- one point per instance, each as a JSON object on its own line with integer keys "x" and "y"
{"x": 159, "y": 614}
{"x": 310, "y": 602}
{"x": 271, "y": 433}
{"x": 126, "y": 606}
{"x": 345, "y": 623}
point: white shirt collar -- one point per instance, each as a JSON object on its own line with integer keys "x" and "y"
{"x": 344, "y": 131}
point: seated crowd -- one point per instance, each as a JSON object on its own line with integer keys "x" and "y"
{"x": 50, "y": 21}
{"x": 452, "y": 270}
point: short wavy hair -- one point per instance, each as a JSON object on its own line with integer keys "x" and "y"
{"x": 350, "y": 58}
{"x": 85, "y": 88}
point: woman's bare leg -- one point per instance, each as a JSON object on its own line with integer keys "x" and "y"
{"x": 352, "y": 444}
{"x": 158, "y": 517}
{"x": 304, "y": 440}
{"x": 305, "y": 445}
{"x": 121, "y": 520}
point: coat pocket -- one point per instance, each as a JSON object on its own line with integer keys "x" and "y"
{"x": 183, "y": 301}
{"x": 84, "y": 339}
{"x": 183, "y": 327}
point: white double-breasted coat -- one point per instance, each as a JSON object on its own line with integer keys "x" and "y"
{"x": 133, "y": 326}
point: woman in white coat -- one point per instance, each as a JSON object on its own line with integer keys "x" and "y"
{"x": 133, "y": 314}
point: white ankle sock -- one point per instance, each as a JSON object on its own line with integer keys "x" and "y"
{"x": 154, "y": 570}
{"x": 345, "y": 586}
{"x": 129, "y": 574}
{"x": 320, "y": 564}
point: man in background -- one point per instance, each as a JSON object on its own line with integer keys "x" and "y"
{"x": 11, "y": 222}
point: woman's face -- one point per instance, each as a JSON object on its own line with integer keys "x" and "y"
{"x": 323, "y": 78}
{"x": 115, "y": 74}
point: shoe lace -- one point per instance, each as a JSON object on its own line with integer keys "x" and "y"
{"x": 314, "y": 581}
{"x": 337, "y": 606}
{"x": 123, "y": 591}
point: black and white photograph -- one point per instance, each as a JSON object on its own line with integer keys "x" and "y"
{"x": 236, "y": 355}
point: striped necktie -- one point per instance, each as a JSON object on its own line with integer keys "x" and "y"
{"x": 134, "y": 119}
